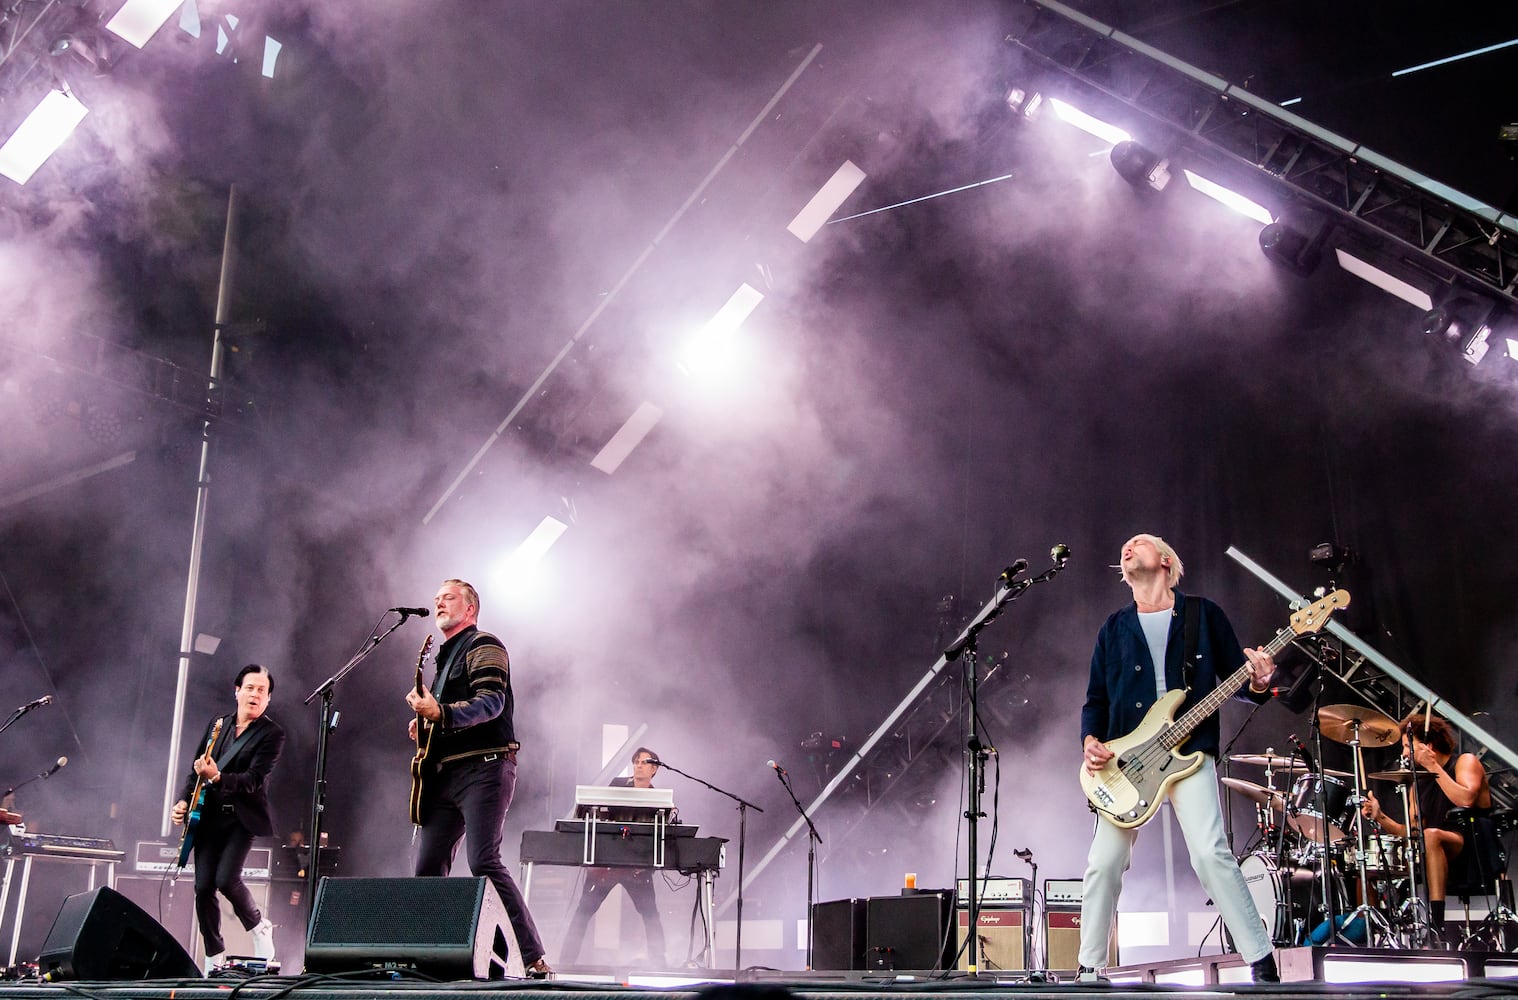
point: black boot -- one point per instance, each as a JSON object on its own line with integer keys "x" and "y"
{"x": 1264, "y": 969}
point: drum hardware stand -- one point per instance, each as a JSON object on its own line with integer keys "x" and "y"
{"x": 1325, "y": 873}
{"x": 1419, "y": 920}
{"x": 1372, "y": 916}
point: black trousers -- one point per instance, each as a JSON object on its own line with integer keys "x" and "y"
{"x": 470, "y": 798}
{"x": 639, "y": 883}
{"x": 221, "y": 848}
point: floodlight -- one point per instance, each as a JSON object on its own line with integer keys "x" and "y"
{"x": 1383, "y": 280}
{"x": 40, "y": 134}
{"x": 1140, "y": 166}
{"x": 713, "y": 348}
{"x": 1024, "y": 101}
{"x": 139, "y": 20}
{"x": 1234, "y": 200}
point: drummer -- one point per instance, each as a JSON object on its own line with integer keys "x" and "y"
{"x": 1429, "y": 742}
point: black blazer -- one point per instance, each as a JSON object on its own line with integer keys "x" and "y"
{"x": 245, "y": 777}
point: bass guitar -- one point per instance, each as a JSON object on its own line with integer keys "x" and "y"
{"x": 1130, "y": 787}
{"x": 423, "y": 744}
{"x": 192, "y": 818}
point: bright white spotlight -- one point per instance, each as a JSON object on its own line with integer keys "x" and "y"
{"x": 1386, "y": 282}
{"x": 51, "y": 122}
{"x": 532, "y": 550}
{"x": 1512, "y": 347}
{"x": 1232, "y": 199}
{"x": 716, "y": 347}
{"x": 271, "y": 53}
{"x": 826, "y": 201}
{"x": 139, "y": 20}
{"x": 1110, "y": 134}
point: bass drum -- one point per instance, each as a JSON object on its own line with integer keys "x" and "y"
{"x": 1283, "y": 896}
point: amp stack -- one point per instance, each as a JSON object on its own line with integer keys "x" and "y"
{"x": 1062, "y": 922}
{"x": 1001, "y": 925}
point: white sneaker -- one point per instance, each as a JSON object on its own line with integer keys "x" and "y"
{"x": 263, "y": 940}
{"x": 212, "y": 962}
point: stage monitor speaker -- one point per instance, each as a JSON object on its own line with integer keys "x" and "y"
{"x": 1001, "y": 940}
{"x": 910, "y": 932}
{"x": 838, "y": 934}
{"x": 102, "y": 936}
{"x": 451, "y": 928}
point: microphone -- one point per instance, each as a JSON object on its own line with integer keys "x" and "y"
{"x": 778, "y": 769}
{"x": 1011, "y": 571}
{"x": 57, "y": 766}
{"x": 408, "y": 612}
{"x": 1060, "y": 554}
{"x": 1302, "y": 749}
{"x": 654, "y": 762}
{"x": 46, "y": 699}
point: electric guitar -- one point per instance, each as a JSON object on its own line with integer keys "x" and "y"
{"x": 1130, "y": 787}
{"x": 423, "y": 744}
{"x": 192, "y": 818}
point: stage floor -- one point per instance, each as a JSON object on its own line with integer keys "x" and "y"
{"x": 1352, "y": 973}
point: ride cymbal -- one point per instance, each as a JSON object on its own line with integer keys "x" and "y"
{"x": 1340, "y": 723}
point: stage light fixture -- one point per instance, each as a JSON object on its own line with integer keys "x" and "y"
{"x": 1140, "y": 166}
{"x": 714, "y": 347}
{"x": 1025, "y": 101}
{"x": 40, "y": 134}
{"x": 1464, "y": 323}
{"x": 1383, "y": 279}
{"x": 1226, "y": 196}
{"x": 1295, "y": 240}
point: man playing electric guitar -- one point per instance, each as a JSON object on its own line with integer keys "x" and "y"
{"x": 1124, "y": 684}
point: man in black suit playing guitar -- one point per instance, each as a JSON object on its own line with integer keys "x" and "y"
{"x": 470, "y": 770}
{"x": 1124, "y": 684}
{"x": 234, "y": 776}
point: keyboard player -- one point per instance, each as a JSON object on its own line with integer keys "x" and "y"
{"x": 638, "y": 882}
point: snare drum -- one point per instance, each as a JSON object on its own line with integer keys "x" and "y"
{"x": 1311, "y": 817}
{"x": 1385, "y": 854}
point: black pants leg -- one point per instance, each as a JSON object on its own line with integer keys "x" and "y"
{"x": 221, "y": 849}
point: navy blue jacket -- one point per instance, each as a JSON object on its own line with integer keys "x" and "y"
{"x": 1121, "y": 688}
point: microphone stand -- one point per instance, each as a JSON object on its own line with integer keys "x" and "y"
{"x": 813, "y": 838}
{"x": 324, "y": 691}
{"x": 743, "y": 806}
{"x": 975, "y": 751}
{"x": 17, "y": 714}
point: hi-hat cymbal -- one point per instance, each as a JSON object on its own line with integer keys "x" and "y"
{"x": 1259, "y": 794}
{"x": 1340, "y": 723}
{"x": 1401, "y": 777}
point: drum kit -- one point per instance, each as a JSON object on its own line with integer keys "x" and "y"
{"x": 1316, "y": 859}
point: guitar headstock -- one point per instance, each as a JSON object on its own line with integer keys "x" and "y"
{"x": 426, "y": 645}
{"x": 1313, "y": 617}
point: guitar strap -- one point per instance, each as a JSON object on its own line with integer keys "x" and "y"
{"x": 1189, "y": 630}
{"x": 231, "y": 749}
{"x": 455, "y": 656}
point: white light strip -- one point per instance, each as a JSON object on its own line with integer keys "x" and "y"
{"x": 537, "y": 544}
{"x": 628, "y": 437}
{"x": 828, "y": 199}
{"x": 1342, "y": 969}
{"x": 1386, "y": 282}
{"x": 1289, "y": 103}
{"x": 1456, "y": 58}
{"x": 1512, "y": 347}
{"x": 139, "y": 20}
{"x": 51, "y": 122}
{"x": 1086, "y": 123}
{"x": 1232, "y": 199}
{"x": 733, "y": 312}
{"x": 271, "y": 53}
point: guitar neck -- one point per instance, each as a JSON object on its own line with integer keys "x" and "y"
{"x": 1183, "y": 727}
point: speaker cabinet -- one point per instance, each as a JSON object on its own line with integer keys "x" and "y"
{"x": 1064, "y": 937}
{"x": 1001, "y": 938}
{"x": 838, "y": 934}
{"x": 101, "y": 935}
{"x": 451, "y": 928}
{"x": 910, "y": 932}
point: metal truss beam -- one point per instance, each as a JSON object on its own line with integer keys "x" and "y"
{"x": 1450, "y": 235}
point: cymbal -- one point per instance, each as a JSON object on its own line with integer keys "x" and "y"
{"x": 1259, "y": 794}
{"x": 1340, "y": 722}
{"x": 1279, "y": 763}
{"x": 1401, "y": 777}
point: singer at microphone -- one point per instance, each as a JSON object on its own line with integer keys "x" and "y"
{"x": 1164, "y": 644}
